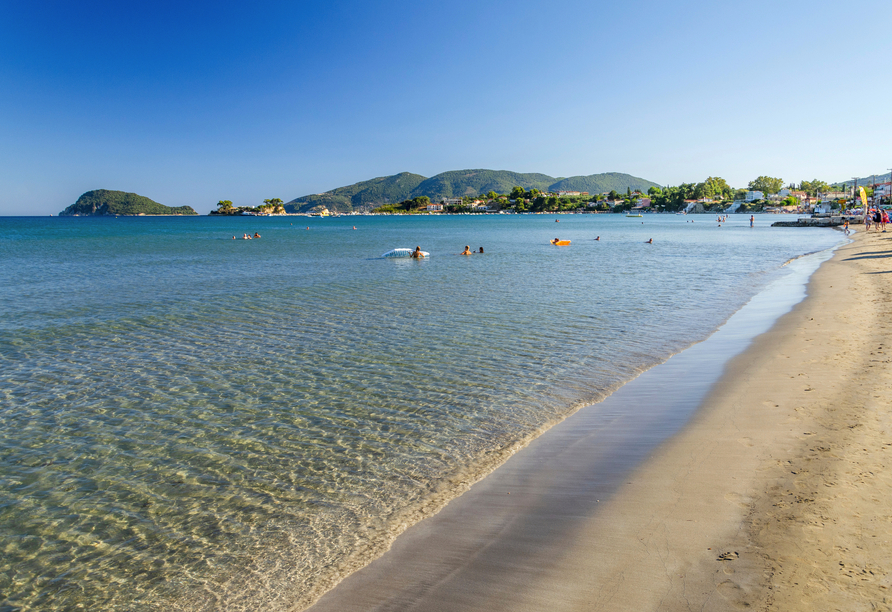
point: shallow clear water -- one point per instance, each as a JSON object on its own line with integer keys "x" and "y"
{"x": 192, "y": 422}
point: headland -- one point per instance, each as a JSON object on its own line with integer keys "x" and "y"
{"x": 106, "y": 202}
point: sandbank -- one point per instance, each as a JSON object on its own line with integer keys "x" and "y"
{"x": 770, "y": 493}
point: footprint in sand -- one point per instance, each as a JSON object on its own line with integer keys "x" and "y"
{"x": 747, "y": 442}
{"x": 733, "y": 593}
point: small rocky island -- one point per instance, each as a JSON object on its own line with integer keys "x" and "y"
{"x": 104, "y": 202}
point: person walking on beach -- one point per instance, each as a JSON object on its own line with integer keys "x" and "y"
{"x": 752, "y": 220}
{"x": 845, "y": 227}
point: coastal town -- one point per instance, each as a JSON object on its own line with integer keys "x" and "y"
{"x": 710, "y": 196}
{"x": 813, "y": 197}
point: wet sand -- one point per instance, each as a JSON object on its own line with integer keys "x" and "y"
{"x": 774, "y": 496}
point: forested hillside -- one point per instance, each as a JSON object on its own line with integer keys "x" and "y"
{"x": 374, "y": 192}
{"x": 456, "y": 184}
{"x": 108, "y": 202}
{"x": 603, "y": 183}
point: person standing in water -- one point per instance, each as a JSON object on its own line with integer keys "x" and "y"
{"x": 752, "y": 220}
{"x": 467, "y": 250}
{"x": 417, "y": 254}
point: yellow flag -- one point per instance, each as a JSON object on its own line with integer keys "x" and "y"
{"x": 863, "y": 198}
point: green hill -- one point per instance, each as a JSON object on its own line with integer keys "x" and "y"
{"x": 602, "y": 183}
{"x": 460, "y": 183}
{"x": 375, "y": 192}
{"x": 106, "y": 202}
{"x": 455, "y": 184}
{"x": 864, "y": 182}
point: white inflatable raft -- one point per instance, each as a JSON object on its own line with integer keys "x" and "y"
{"x": 403, "y": 253}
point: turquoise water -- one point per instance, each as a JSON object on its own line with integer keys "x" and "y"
{"x": 193, "y": 422}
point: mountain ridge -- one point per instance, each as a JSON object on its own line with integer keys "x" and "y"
{"x": 458, "y": 183}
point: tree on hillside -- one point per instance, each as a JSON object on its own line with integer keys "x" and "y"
{"x": 415, "y": 203}
{"x": 272, "y": 205}
{"x": 517, "y": 193}
{"x": 672, "y": 199}
{"x": 224, "y": 205}
{"x": 766, "y": 184}
{"x": 654, "y": 191}
{"x": 713, "y": 187}
{"x": 814, "y": 187}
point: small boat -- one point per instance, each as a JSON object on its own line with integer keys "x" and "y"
{"x": 634, "y": 214}
{"x": 560, "y": 242}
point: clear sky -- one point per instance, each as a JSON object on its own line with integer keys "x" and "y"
{"x": 189, "y": 103}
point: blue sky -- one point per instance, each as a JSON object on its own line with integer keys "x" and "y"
{"x": 191, "y": 103}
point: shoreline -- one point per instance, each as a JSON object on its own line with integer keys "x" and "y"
{"x": 682, "y": 530}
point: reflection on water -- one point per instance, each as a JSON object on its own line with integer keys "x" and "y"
{"x": 193, "y": 422}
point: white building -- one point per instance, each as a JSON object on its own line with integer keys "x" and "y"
{"x": 754, "y": 195}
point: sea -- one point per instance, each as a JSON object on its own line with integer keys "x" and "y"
{"x": 194, "y": 421}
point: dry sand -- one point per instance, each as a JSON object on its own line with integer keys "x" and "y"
{"x": 774, "y": 497}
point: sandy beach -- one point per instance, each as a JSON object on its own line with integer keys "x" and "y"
{"x": 774, "y": 496}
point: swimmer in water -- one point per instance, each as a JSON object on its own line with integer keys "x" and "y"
{"x": 467, "y": 251}
{"x": 417, "y": 254}
{"x": 481, "y": 250}
{"x": 651, "y": 241}
{"x": 598, "y": 238}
